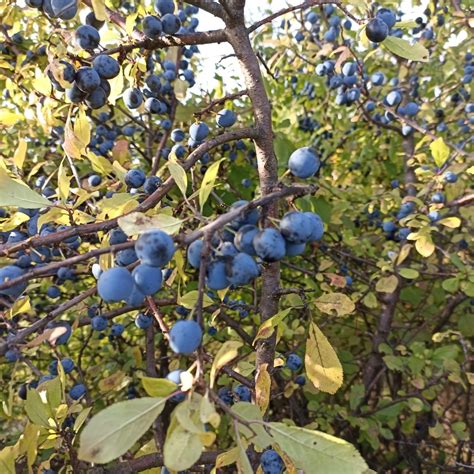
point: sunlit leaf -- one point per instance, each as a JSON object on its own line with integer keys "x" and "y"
{"x": 321, "y": 362}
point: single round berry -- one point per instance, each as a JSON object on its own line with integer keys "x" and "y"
{"x": 185, "y": 337}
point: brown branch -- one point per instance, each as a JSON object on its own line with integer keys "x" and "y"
{"x": 462, "y": 201}
{"x": 40, "y": 324}
{"x": 38, "y": 271}
{"x": 268, "y": 199}
{"x": 148, "y": 203}
{"x": 209, "y": 6}
{"x": 145, "y": 462}
{"x": 220, "y": 101}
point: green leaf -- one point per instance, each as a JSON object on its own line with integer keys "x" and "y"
{"x": 179, "y": 175}
{"x": 113, "y": 431}
{"x": 266, "y": 329}
{"x": 338, "y": 302}
{"x": 208, "y": 182}
{"x": 440, "y": 151}
{"x": 158, "y": 387}
{"x": 182, "y": 449}
{"x": 189, "y": 300}
{"x": 17, "y": 193}
{"x": 38, "y": 412}
{"x": 138, "y": 223}
{"x": 387, "y": 284}
{"x": 409, "y": 273}
{"x": 316, "y": 452}
{"x": 402, "y": 48}
{"x": 250, "y": 412}
{"x": 323, "y": 367}
{"x": 228, "y": 351}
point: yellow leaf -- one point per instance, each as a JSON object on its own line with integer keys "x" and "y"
{"x": 41, "y": 82}
{"x": 424, "y": 245}
{"x": 179, "y": 175}
{"x": 20, "y": 153}
{"x": 227, "y": 458}
{"x": 338, "y": 302}
{"x": 189, "y": 300}
{"x": 266, "y": 329}
{"x": 451, "y": 222}
{"x": 82, "y": 129}
{"x": 208, "y": 183}
{"x": 228, "y": 351}
{"x": 99, "y": 9}
{"x": 138, "y": 223}
{"x": 130, "y": 23}
{"x": 14, "y": 221}
{"x": 440, "y": 151}
{"x": 63, "y": 182}
{"x": 263, "y": 383}
{"x": 404, "y": 252}
{"x": 21, "y": 305}
{"x": 7, "y": 118}
{"x": 321, "y": 362}
{"x": 116, "y": 86}
{"x": 387, "y": 284}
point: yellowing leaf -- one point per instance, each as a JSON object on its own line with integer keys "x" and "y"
{"x": 113, "y": 431}
{"x": 112, "y": 381}
{"x": 263, "y": 383}
{"x": 63, "y": 182}
{"x": 158, "y": 387}
{"x": 21, "y": 305}
{"x": 20, "y": 153}
{"x": 16, "y": 193}
{"x": 316, "y": 452}
{"x": 250, "y": 412}
{"x": 189, "y": 300}
{"x": 99, "y": 9}
{"x": 138, "y": 223}
{"x": 41, "y": 82}
{"x": 14, "y": 221}
{"x": 179, "y": 175}
{"x": 82, "y": 129}
{"x": 228, "y": 351}
{"x": 404, "y": 252}
{"x": 424, "y": 245}
{"x": 130, "y": 23}
{"x": 338, "y": 302}
{"x": 266, "y": 329}
{"x": 227, "y": 458}
{"x": 208, "y": 183}
{"x": 321, "y": 362}
{"x": 402, "y": 48}
{"x": 387, "y": 284}
{"x": 182, "y": 449}
{"x": 451, "y": 222}
{"x": 440, "y": 151}
{"x": 7, "y": 118}
{"x": 409, "y": 273}
{"x": 208, "y": 413}
{"x": 116, "y": 86}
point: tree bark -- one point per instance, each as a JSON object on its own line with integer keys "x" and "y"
{"x": 267, "y": 166}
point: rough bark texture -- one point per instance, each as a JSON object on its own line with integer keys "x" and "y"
{"x": 267, "y": 164}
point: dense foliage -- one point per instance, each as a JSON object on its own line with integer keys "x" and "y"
{"x": 268, "y": 276}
